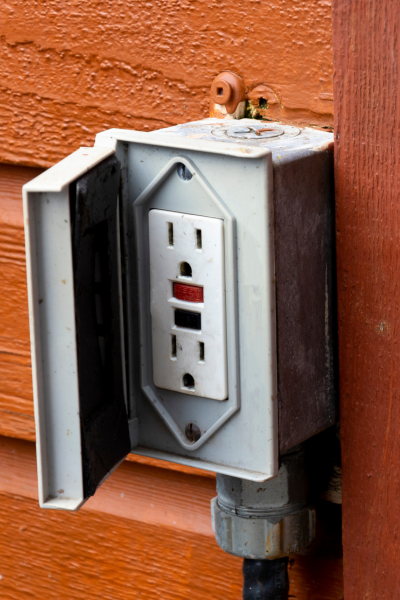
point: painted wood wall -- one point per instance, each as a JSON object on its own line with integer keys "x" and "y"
{"x": 367, "y": 173}
{"x": 68, "y": 70}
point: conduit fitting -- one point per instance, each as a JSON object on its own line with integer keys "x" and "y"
{"x": 228, "y": 96}
{"x": 267, "y": 520}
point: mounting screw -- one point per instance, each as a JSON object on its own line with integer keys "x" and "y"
{"x": 192, "y": 432}
{"x": 228, "y": 91}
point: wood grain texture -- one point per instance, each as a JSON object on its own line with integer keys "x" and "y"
{"x": 367, "y": 159}
{"x": 146, "y": 534}
{"x": 74, "y": 68}
{"x": 16, "y": 403}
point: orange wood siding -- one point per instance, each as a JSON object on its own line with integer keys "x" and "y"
{"x": 16, "y": 401}
{"x": 74, "y": 68}
{"x": 146, "y": 534}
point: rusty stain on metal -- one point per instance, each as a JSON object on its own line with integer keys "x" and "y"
{"x": 260, "y": 131}
{"x": 327, "y": 146}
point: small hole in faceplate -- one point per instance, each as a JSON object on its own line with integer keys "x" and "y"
{"x": 201, "y": 351}
{"x": 220, "y": 91}
{"x": 170, "y": 234}
{"x": 263, "y": 103}
{"x": 173, "y": 346}
{"x": 199, "y": 241}
{"x": 188, "y": 382}
{"x": 184, "y": 172}
{"x": 185, "y": 270}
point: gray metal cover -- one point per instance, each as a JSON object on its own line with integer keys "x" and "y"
{"x": 232, "y": 182}
{"x": 305, "y": 266}
{"x": 304, "y": 261}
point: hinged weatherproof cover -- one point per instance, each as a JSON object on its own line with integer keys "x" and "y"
{"x": 72, "y": 251}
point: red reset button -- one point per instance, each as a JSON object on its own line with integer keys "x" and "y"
{"x": 188, "y": 293}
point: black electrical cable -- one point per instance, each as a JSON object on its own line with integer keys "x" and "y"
{"x": 265, "y": 579}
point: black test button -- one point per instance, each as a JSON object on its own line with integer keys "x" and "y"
{"x": 187, "y": 319}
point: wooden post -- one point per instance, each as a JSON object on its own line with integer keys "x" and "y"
{"x": 367, "y": 156}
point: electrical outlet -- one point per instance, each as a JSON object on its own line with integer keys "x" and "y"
{"x": 187, "y": 279}
{"x": 214, "y": 227}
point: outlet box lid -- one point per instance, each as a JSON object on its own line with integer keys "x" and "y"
{"x": 245, "y": 138}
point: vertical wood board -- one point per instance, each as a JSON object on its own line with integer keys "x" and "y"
{"x": 367, "y": 172}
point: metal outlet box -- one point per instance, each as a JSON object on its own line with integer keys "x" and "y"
{"x": 88, "y": 257}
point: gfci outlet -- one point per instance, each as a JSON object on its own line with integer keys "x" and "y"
{"x": 181, "y": 297}
{"x": 187, "y": 279}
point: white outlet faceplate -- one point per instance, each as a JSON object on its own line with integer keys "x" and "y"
{"x": 188, "y": 250}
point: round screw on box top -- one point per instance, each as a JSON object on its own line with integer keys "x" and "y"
{"x": 227, "y": 90}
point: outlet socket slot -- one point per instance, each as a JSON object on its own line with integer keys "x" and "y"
{"x": 201, "y": 352}
{"x": 170, "y": 235}
{"x": 173, "y": 347}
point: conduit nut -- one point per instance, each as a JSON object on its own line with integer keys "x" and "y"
{"x": 228, "y": 96}
{"x": 263, "y": 538}
{"x": 266, "y": 520}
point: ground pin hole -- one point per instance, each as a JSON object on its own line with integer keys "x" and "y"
{"x": 188, "y": 381}
{"x": 185, "y": 269}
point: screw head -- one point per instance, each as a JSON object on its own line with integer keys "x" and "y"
{"x": 184, "y": 172}
{"x": 192, "y": 432}
{"x": 221, "y": 91}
